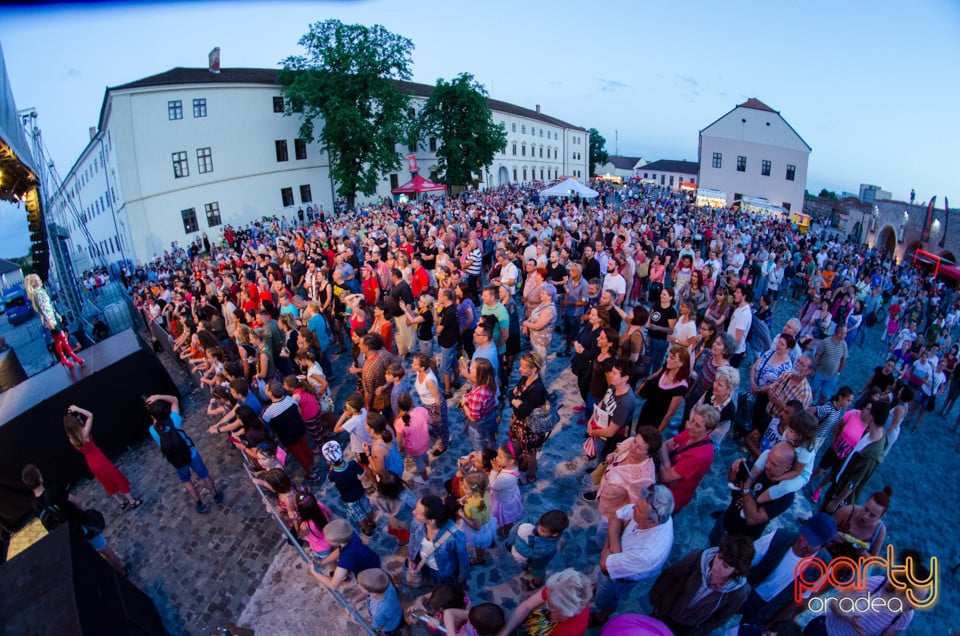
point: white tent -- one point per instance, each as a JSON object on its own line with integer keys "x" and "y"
{"x": 568, "y": 188}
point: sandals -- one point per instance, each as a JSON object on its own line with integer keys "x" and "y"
{"x": 136, "y": 503}
{"x": 124, "y": 504}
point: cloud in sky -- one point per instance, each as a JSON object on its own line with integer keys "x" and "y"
{"x": 611, "y": 86}
{"x": 689, "y": 80}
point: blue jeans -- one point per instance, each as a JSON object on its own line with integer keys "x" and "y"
{"x": 609, "y": 592}
{"x": 824, "y": 385}
{"x": 482, "y": 434}
{"x": 657, "y": 348}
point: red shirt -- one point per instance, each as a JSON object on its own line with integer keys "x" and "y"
{"x": 573, "y": 626}
{"x": 691, "y": 465}
{"x": 420, "y": 282}
{"x": 370, "y": 288}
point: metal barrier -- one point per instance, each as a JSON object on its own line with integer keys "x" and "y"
{"x": 160, "y": 335}
{"x": 303, "y": 553}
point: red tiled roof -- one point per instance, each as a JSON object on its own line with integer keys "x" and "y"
{"x": 755, "y": 104}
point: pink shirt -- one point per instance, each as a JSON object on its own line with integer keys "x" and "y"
{"x": 691, "y": 465}
{"x": 850, "y": 434}
{"x": 416, "y": 434}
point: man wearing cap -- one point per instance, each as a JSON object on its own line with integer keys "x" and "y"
{"x": 773, "y": 569}
{"x": 639, "y": 539}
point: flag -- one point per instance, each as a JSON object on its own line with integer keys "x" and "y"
{"x": 213, "y": 60}
{"x": 946, "y": 220}
{"x": 927, "y": 222}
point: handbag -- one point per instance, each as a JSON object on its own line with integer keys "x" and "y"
{"x": 93, "y": 523}
{"x": 589, "y": 448}
{"x": 597, "y": 475}
{"x": 542, "y": 419}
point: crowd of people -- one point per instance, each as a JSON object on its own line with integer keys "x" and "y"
{"x": 452, "y": 315}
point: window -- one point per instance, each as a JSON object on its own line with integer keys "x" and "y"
{"x": 175, "y": 110}
{"x": 541, "y": 152}
{"x": 287, "y": 195}
{"x": 524, "y": 174}
{"x": 433, "y": 144}
{"x": 765, "y": 168}
{"x": 541, "y": 132}
{"x": 513, "y": 128}
{"x": 110, "y": 245}
{"x": 514, "y": 148}
{"x": 554, "y": 153}
{"x": 514, "y": 174}
{"x": 278, "y": 104}
{"x": 786, "y": 206}
{"x": 741, "y": 163}
{"x": 190, "y": 224}
{"x": 541, "y": 174}
{"x": 212, "y": 210}
{"x": 281, "y": 145}
{"x": 717, "y": 160}
{"x": 300, "y": 148}
{"x": 671, "y": 181}
{"x": 200, "y": 107}
{"x": 305, "y": 196}
{"x": 180, "y": 166}
{"x": 523, "y": 150}
{"x": 394, "y": 181}
{"x": 523, "y": 129}
{"x": 663, "y": 179}
{"x": 204, "y": 160}
{"x": 791, "y": 172}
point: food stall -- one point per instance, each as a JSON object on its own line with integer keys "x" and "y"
{"x": 707, "y": 197}
{"x": 801, "y": 221}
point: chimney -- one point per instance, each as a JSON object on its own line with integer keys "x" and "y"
{"x": 213, "y": 60}
{"x": 538, "y": 109}
{"x": 93, "y": 132}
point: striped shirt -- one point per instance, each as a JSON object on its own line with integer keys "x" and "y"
{"x": 476, "y": 261}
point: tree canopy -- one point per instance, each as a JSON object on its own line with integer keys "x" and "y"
{"x": 598, "y": 150}
{"x": 343, "y": 86}
{"x": 457, "y": 114}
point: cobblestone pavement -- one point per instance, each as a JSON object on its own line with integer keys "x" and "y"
{"x": 204, "y": 570}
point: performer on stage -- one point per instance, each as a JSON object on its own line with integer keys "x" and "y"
{"x": 40, "y": 300}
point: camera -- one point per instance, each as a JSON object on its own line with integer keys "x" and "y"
{"x": 743, "y": 474}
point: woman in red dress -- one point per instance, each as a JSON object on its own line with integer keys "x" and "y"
{"x": 78, "y": 423}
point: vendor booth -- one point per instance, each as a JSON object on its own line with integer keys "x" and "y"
{"x": 760, "y": 205}
{"x": 801, "y": 221}
{"x": 417, "y": 185}
{"x": 707, "y": 197}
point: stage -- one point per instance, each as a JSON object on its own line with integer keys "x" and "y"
{"x": 117, "y": 372}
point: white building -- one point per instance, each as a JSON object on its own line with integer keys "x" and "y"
{"x": 620, "y": 166}
{"x": 10, "y": 274}
{"x": 670, "y": 173}
{"x": 753, "y": 151}
{"x": 178, "y": 154}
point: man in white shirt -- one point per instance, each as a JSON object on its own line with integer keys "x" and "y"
{"x": 740, "y": 323}
{"x": 639, "y": 539}
{"x": 615, "y": 282}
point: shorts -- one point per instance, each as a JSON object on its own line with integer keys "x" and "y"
{"x": 358, "y": 510}
{"x": 196, "y": 463}
{"x": 448, "y": 358}
{"x": 98, "y": 542}
{"x": 928, "y": 402}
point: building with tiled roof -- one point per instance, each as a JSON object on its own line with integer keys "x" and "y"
{"x": 620, "y": 166}
{"x": 752, "y": 151}
{"x": 178, "y": 154}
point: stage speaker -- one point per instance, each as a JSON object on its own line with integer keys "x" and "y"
{"x": 117, "y": 372}
{"x": 60, "y": 585}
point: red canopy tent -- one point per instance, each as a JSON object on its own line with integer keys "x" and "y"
{"x": 418, "y": 184}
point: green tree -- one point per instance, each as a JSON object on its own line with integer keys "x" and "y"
{"x": 827, "y": 194}
{"x": 598, "y": 150}
{"x": 457, "y": 114}
{"x": 344, "y": 86}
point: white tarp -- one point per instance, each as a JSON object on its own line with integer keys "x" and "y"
{"x": 569, "y": 188}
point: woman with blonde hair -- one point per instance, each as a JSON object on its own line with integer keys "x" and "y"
{"x": 42, "y": 304}
{"x": 561, "y": 605}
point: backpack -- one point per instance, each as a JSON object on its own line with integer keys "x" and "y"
{"x": 174, "y": 443}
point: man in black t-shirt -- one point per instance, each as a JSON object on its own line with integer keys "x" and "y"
{"x": 448, "y": 337}
{"x": 55, "y": 506}
{"x": 750, "y": 511}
